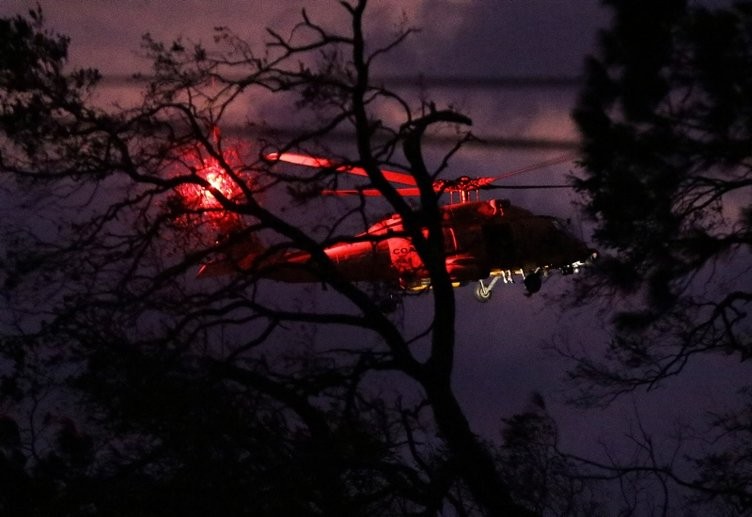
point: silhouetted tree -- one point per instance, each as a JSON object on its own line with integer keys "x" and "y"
{"x": 190, "y": 396}
{"x": 548, "y": 480}
{"x": 666, "y": 121}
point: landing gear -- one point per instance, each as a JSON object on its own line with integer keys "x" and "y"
{"x": 483, "y": 292}
{"x": 533, "y": 282}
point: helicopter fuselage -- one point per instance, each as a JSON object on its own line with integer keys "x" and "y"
{"x": 482, "y": 239}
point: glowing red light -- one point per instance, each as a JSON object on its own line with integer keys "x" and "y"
{"x": 220, "y": 181}
{"x": 200, "y": 205}
{"x": 222, "y": 184}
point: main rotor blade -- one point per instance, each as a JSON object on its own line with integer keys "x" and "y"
{"x": 522, "y": 187}
{"x": 325, "y": 163}
{"x": 535, "y": 166}
{"x": 370, "y": 192}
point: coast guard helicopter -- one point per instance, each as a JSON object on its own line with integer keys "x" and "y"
{"x": 485, "y": 241}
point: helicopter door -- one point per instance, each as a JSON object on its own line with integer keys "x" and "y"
{"x": 499, "y": 244}
{"x": 450, "y": 241}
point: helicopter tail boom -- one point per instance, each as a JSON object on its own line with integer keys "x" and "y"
{"x": 237, "y": 256}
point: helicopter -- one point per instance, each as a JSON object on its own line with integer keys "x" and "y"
{"x": 485, "y": 241}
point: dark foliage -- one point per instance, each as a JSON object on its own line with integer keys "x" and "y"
{"x": 666, "y": 121}
{"x": 666, "y": 117}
